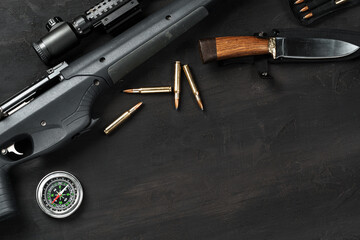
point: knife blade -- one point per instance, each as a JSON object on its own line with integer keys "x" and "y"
{"x": 279, "y": 47}
{"x": 313, "y": 48}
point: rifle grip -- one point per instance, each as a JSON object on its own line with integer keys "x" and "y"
{"x": 215, "y": 49}
{"x": 7, "y": 200}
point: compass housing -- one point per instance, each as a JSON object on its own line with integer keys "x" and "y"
{"x": 53, "y": 203}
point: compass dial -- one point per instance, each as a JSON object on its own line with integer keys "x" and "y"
{"x": 59, "y": 194}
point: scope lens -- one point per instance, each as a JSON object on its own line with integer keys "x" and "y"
{"x": 59, "y": 40}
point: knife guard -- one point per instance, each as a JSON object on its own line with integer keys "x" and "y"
{"x": 222, "y": 48}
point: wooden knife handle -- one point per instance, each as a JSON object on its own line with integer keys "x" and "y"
{"x": 222, "y": 48}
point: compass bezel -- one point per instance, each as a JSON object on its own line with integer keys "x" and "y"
{"x": 40, "y": 194}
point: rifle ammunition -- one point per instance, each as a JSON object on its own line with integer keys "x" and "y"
{"x": 177, "y": 84}
{"x": 324, "y": 8}
{"x": 193, "y": 86}
{"x": 121, "y": 119}
{"x": 149, "y": 90}
{"x": 299, "y": 1}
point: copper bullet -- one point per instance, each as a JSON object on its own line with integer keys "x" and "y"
{"x": 121, "y": 119}
{"x": 193, "y": 86}
{"x": 304, "y": 9}
{"x": 149, "y": 90}
{"x": 177, "y": 79}
{"x": 310, "y": 15}
{"x": 299, "y": 1}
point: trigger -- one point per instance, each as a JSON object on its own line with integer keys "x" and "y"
{"x": 88, "y": 128}
{"x": 11, "y": 149}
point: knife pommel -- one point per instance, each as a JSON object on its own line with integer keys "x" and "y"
{"x": 208, "y": 50}
{"x": 232, "y": 47}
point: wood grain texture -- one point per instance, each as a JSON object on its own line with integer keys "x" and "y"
{"x": 233, "y": 47}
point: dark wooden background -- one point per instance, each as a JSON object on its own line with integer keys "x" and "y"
{"x": 263, "y": 161}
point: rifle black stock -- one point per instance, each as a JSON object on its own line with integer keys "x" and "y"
{"x": 53, "y": 110}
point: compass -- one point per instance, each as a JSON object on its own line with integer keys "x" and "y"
{"x": 59, "y": 194}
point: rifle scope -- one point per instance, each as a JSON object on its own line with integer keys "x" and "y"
{"x": 63, "y": 36}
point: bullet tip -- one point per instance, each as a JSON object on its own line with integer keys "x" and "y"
{"x": 298, "y": 2}
{"x": 138, "y": 105}
{"x": 308, "y": 16}
{"x": 128, "y": 91}
{"x": 176, "y": 104}
{"x": 201, "y": 105}
{"x": 304, "y": 9}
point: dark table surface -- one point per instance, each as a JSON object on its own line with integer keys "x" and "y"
{"x": 262, "y": 162}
